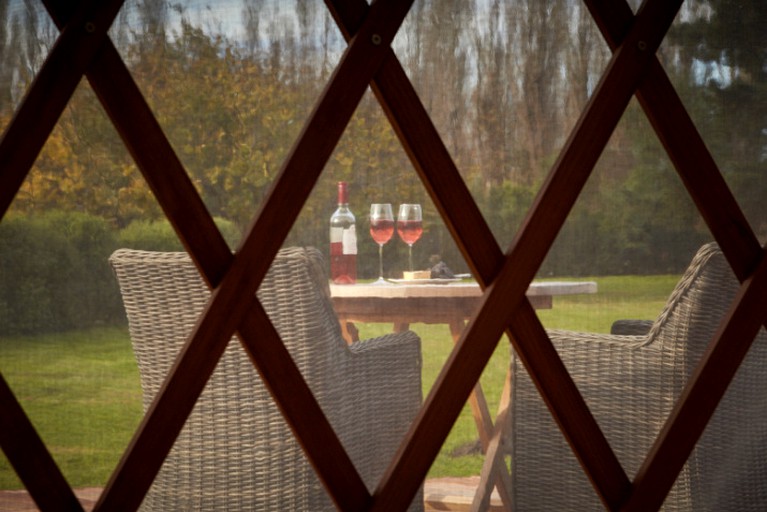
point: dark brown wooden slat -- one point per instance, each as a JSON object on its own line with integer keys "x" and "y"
{"x": 30, "y": 458}
{"x": 170, "y": 184}
{"x": 390, "y": 87}
{"x": 699, "y": 172}
{"x": 537, "y": 235}
{"x": 49, "y": 93}
{"x": 702, "y": 394}
{"x": 438, "y": 172}
{"x": 719, "y": 208}
{"x": 146, "y": 142}
{"x": 348, "y": 15}
{"x": 306, "y": 161}
{"x": 143, "y": 137}
{"x": 434, "y": 164}
{"x": 686, "y": 148}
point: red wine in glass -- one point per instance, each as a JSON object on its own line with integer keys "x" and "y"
{"x": 410, "y": 230}
{"x": 410, "y": 227}
{"x": 381, "y": 229}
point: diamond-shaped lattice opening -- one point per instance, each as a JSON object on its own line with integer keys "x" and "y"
{"x": 614, "y": 341}
{"x": 371, "y": 158}
{"x": 64, "y": 351}
{"x": 517, "y": 78}
{"x": 231, "y": 85}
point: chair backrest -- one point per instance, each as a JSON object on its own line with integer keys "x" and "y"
{"x": 728, "y": 468}
{"x": 235, "y": 451}
{"x": 631, "y": 384}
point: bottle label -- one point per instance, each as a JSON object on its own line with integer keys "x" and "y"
{"x": 336, "y": 235}
{"x": 349, "y": 240}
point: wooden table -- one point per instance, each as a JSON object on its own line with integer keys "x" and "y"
{"x": 451, "y": 303}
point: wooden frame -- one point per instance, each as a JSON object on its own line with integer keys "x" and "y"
{"x": 83, "y": 49}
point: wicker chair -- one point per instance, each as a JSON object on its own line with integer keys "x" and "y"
{"x": 236, "y": 452}
{"x": 630, "y": 384}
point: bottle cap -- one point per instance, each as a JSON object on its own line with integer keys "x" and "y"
{"x": 343, "y": 193}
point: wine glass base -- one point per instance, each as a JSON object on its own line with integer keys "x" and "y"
{"x": 380, "y": 281}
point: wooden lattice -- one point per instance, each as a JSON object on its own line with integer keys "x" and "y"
{"x": 83, "y": 49}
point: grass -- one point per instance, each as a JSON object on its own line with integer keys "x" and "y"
{"x": 82, "y": 393}
{"x": 617, "y": 297}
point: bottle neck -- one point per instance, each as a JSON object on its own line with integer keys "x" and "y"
{"x": 343, "y": 195}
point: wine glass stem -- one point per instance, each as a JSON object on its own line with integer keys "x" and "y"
{"x": 410, "y": 255}
{"x": 380, "y": 261}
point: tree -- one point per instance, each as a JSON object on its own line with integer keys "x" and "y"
{"x": 722, "y": 48}
{"x": 503, "y": 82}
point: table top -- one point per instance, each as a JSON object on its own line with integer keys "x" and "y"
{"x": 453, "y": 289}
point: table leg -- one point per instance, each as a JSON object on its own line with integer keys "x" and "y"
{"x": 349, "y": 331}
{"x": 401, "y": 327}
{"x": 477, "y": 400}
{"x": 494, "y": 470}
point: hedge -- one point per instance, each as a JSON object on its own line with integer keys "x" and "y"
{"x": 54, "y": 274}
{"x": 54, "y": 269}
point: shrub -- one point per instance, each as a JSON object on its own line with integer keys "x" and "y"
{"x": 158, "y": 235}
{"x": 54, "y": 273}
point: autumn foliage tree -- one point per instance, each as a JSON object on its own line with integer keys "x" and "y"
{"x": 504, "y": 83}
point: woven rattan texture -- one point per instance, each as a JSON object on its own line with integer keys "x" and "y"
{"x": 630, "y": 384}
{"x": 236, "y": 452}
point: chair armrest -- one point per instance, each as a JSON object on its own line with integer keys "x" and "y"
{"x": 628, "y": 384}
{"x": 405, "y": 340}
{"x": 384, "y": 377}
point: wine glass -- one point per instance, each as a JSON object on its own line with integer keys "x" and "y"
{"x": 381, "y": 229}
{"x": 410, "y": 227}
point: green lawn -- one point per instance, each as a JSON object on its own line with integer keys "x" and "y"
{"x": 81, "y": 389}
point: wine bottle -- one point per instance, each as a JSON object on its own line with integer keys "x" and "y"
{"x": 343, "y": 240}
